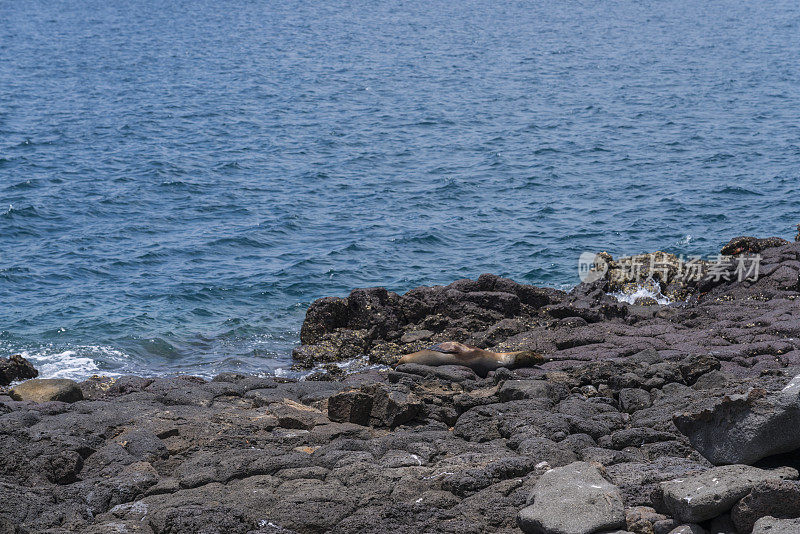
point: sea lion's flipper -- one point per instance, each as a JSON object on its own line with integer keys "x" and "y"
{"x": 527, "y": 358}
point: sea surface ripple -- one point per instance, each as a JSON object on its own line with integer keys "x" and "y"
{"x": 179, "y": 180}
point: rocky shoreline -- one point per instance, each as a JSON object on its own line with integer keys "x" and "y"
{"x": 645, "y": 418}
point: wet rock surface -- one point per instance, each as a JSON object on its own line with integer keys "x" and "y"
{"x": 618, "y": 405}
{"x": 14, "y": 368}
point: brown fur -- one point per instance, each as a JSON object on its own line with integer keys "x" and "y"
{"x": 479, "y": 360}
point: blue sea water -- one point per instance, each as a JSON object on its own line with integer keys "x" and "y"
{"x": 178, "y": 180}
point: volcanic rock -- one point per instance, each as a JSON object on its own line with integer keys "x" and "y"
{"x": 771, "y": 525}
{"x": 574, "y": 499}
{"x": 776, "y": 498}
{"x": 704, "y": 496}
{"x": 14, "y": 368}
{"x": 742, "y": 429}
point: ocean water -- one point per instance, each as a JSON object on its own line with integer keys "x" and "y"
{"x": 179, "y": 180}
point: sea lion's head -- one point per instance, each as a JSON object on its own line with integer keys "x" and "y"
{"x": 527, "y": 358}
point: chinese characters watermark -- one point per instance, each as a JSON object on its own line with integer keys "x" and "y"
{"x": 667, "y": 268}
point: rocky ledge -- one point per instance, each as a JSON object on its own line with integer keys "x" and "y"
{"x": 644, "y": 418}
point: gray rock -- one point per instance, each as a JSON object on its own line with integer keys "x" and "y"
{"x": 545, "y": 450}
{"x": 638, "y": 478}
{"x": 292, "y": 414}
{"x": 633, "y": 399}
{"x": 637, "y": 436}
{"x": 526, "y": 389}
{"x": 142, "y": 444}
{"x": 48, "y": 389}
{"x": 641, "y": 519}
{"x": 664, "y": 526}
{"x": 770, "y": 525}
{"x": 742, "y": 429}
{"x": 704, "y": 496}
{"x": 574, "y": 499}
{"x": 711, "y": 380}
{"x": 696, "y": 365}
{"x": 776, "y": 498}
{"x": 353, "y": 406}
{"x": 393, "y": 407}
{"x": 688, "y": 529}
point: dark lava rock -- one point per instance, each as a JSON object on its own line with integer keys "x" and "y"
{"x": 393, "y": 407}
{"x": 385, "y": 325}
{"x": 695, "y": 366}
{"x": 705, "y": 496}
{"x": 377, "y": 405}
{"x": 772, "y": 525}
{"x": 14, "y": 368}
{"x": 746, "y": 428}
{"x": 776, "y": 498}
{"x": 531, "y": 389}
{"x": 632, "y": 400}
{"x": 722, "y": 525}
{"x": 352, "y": 406}
{"x": 752, "y": 245}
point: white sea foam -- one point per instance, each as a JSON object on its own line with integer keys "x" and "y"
{"x": 77, "y": 363}
{"x": 643, "y": 290}
{"x": 348, "y": 366}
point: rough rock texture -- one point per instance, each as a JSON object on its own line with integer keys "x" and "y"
{"x": 707, "y": 495}
{"x": 746, "y": 428}
{"x": 420, "y": 449}
{"x": 726, "y": 323}
{"x": 47, "y": 389}
{"x": 14, "y": 368}
{"x": 776, "y": 498}
{"x": 574, "y": 499}
{"x": 771, "y": 525}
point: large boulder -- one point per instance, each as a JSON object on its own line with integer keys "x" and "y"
{"x": 513, "y": 390}
{"x": 351, "y": 406}
{"x": 377, "y": 405}
{"x": 393, "y": 406}
{"x": 14, "y": 368}
{"x": 777, "y": 498}
{"x": 706, "y": 495}
{"x": 742, "y": 429}
{"x": 48, "y": 389}
{"x": 574, "y": 499}
{"x": 771, "y": 525}
{"x": 751, "y": 245}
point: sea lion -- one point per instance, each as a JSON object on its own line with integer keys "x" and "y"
{"x": 479, "y": 360}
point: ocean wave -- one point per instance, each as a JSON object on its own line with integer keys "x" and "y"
{"x": 351, "y": 366}
{"x": 738, "y": 190}
{"x": 647, "y": 289}
{"x": 77, "y": 363}
{"x": 11, "y": 211}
